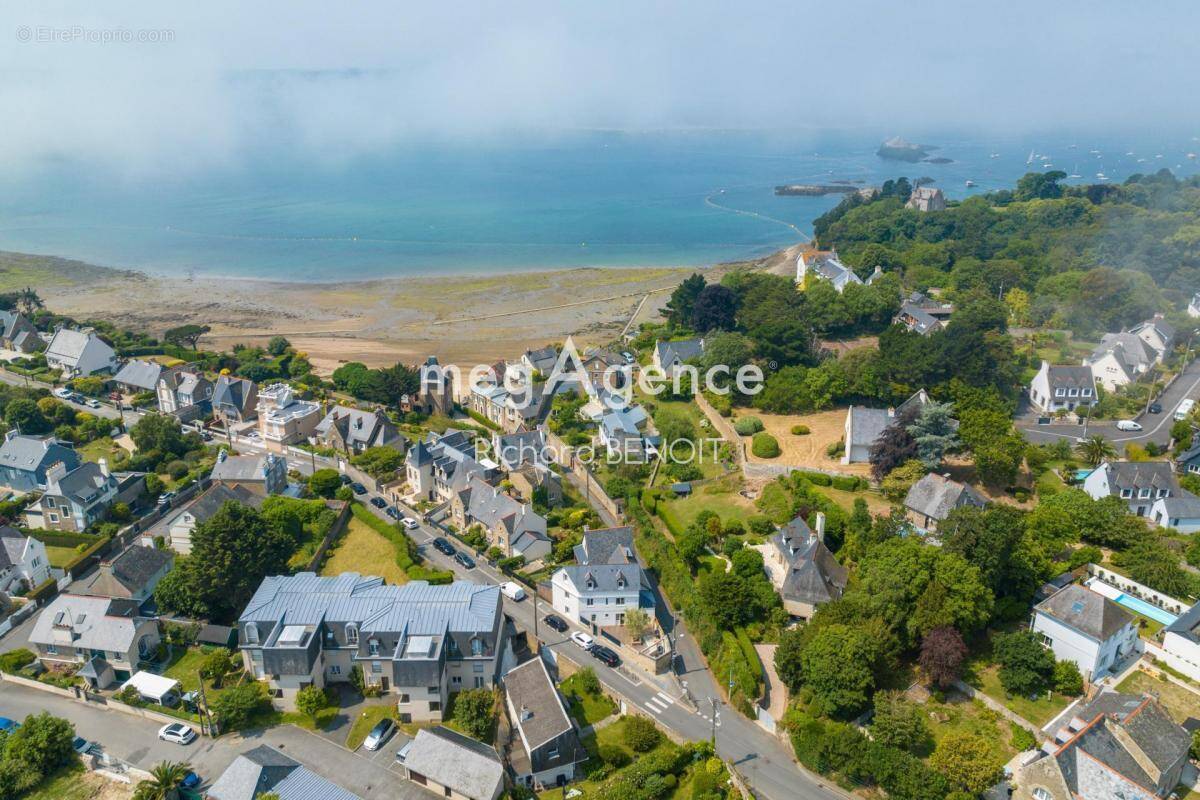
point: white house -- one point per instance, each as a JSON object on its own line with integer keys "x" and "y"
{"x": 1062, "y": 388}
{"x": 822, "y": 264}
{"x": 865, "y": 425}
{"x": 1181, "y": 643}
{"x": 23, "y": 561}
{"x": 1120, "y": 359}
{"x": 1085, "y": 627}
{"x": 670, "y": 356}
{"x": 605, "y": 581}
{"x": 1139, "y": 483}
{"x": 79, "y": 352}
{"x": 1158, "y": 333}
{"x": 1193, "y": 309}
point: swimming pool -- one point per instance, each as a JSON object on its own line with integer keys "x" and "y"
{"x": 1145, "y": 609}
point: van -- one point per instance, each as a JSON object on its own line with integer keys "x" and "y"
{"x": 1185, "y": 408}
{"x": 512, "y": 591}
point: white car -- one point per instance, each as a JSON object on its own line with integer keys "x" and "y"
{"x": 409, "y": 523}
{"x": 512, "y": 591}
{"x": 92, "y": 403}
{"x": 379, "y": 735}
{"x": 1128, "y": 425}
{"x": 62, "y": 393}
{"x": 582, "y": 639}
{"x": 177, "y": 732}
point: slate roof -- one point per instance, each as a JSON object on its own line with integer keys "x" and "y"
{"x": 242, "y": 468}
{"x": 265, "y": 769}
{"x": 867, "y": 424}
{"x": 68, "y": 344}
{"x": 1187, "y": 624}
{"x": 1190, "y": 454}
{"x": 1140, "y": 475}
{"x": 1134, "y": 349}
{"x": 491, "y": 507}
{"x": 99, "y": 623}
{"x": 606, "y": 557}
{"x": 236, "y": 393}
{"x": 139, "y": 373}
{"x": 1165, "y": 329}
{"x": 469, "y": 767}
{"x": 813, "y": 574}
{"x": 514, "y": 449}
{"x": 368, "y": 428}
{"x": 28, "y": 453}
{"x": 1063, "y": 376}
{"x": 830, "y": 267}
{"x": 684, "y": 350}
{"x": 12, "y": 546}
{"x": 80, "y": 484}
{"x": 1181, "y": 505}
{"x": 541, "y": 715}
{"x": 12, "y": 322}
{"x": 921, "y": 320}
{"x": 1086, "y": 611}
{"x": 129, "y": 573}
{"x": 936, "y": 496}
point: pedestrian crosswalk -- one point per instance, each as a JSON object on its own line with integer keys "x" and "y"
{"x": 659, "y": 703}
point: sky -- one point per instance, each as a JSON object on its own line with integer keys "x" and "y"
{"x": 207, "y": 83}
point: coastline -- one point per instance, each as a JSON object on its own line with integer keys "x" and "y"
{"x": 461, "y": 318}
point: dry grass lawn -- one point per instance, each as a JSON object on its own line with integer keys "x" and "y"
{"x": 825, "y": 427}
{"x": 365, "y": 551}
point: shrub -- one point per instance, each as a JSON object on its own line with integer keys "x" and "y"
{"x": 847, "y": 483}
{"x": 641, "y": 735}
{"x": 1067, "y": 679}
{"x": 14, "y": 660}
{"x": 764, "y": 445}
{"x": 614, "y": 756}
{"x": 815, "y": 478}
{"x": 177, "y": 469}
{"x": 129, "y": 696}
{"x": 800, "y": 430}
{"x": 1022, "y": 739}
{"x": 748, "y": 426}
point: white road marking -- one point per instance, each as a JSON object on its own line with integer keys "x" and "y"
{"x": 664, "y": 698}
{"x": 655, "y": 706}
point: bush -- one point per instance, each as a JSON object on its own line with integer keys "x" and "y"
{"x": 1022, "y": 739}
{"x": 815, "y": 478}
{"x": 847, "y": 483}
{"x": 800, "y": 430}
{"x": 14, "y": 660}
{"x": 836, "y": 449}
{"x": 641, "y": 734}
{"x": 177, "y": 469}
{"x": 614, "y": 756}
{"x": 764, "y": 445}
{"x": 748, "y": 426}
{"x": 1067, "y": 679}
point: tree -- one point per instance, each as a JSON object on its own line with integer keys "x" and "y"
{"x": 640, "y": 734}
{"x": 726, "y": 596}
{"x": 380, "y": 463}
{"x": 25, "y": 415}
{"x": 41, "y": 745}
{"x": 216, "y": 665}
{"x": 1026, "y": 668}
{"x": 997, "y": 462}
{"x": 278, "y": 345}
{"x": 1095, "y": 450}
{"x": 942, "y": 655}
{"x": 996, "y": 541}
{"x": 683, "y": 300}
{"x": 715, "y": 308}
{"x": 311, "y": 701}
{"x": 1067, "y": 679}
{"x": 894, "y": 447}
{"x": 324, "y": 482}
{"x": 838, "y": 666}
{"x": 898, "y": 723}
{"x": 235, "y": 706}
{"x": 186, "y": 335}
{"x": 933, "y": 433}
{"x": 158, "y": 432}
{"x": 788, "y": 663}
{"x": 637, "y": 622}
{"x": 969, "y": 761}
{"x": 475, "y": 712}
{"x": 897, "y": 483}
{"x": 29, "y": 301}
{"x": 1152, "y": 563}
{"x": 164, "y": 782}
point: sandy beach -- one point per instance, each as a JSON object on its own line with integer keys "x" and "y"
{"x": 461, "y": 319}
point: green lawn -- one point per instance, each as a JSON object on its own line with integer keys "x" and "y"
{"x": 959, "y": 714}
{"x": 59, "y": 556}
{"x": 366, "y": 551}
{"x": 708, "y": 565}
{"x": 725, "y": 504}
{"x": 1040, "y": 711}
{"x": 366, "y": 720}
{"x": 587, "y": 709}
{"x": 68, "y": 783}
{"x": 185, "y": 668}
{"x": 1180, "y": 703}
{"x": 612, "y": 736}
{"x": 104, "y": 447}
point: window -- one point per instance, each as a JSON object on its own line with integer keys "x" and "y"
{"x": 373, "y": 647}
{"x": 1060, "y": 392}
{"x": 446, "y": 791}
{"x": 590, "y": 601}
{"x": 456, "y": 680}
{"x": 404, "y": 698}
{"x": 1073, "y": 393}
{"x": 1143, "y": 492}
{"x": 51, "y": 650}
{"x": 434, "y": 705}
{"x": 434, "y": 690}
{"x": 1127, "y": 493}
{"x": 552, "y": 753}
{"x": 49, "y": 502}
{"x": 376, "y": 667}
{"x": 1041, "y": 794}
{"x": 478, "y": 667}
{"x": 478, "y": 683}
{"x": 54, "y": 517}
{"x": 620, "y": 601}
{"x": 1162, "y": 492}
{"x": 251, "y": 634}
{"x": 477, "y": 647}
{"x": 352, "y": 635}
{"x": 1085, "y": 392}
{"x": 334, "y": 669}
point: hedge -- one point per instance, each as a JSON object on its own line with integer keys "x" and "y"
{"x": 407, "y": 557}
{"x": 764, "y": 445}
{"x": 816, "y": 478}
{"x": 100, "y": 544}
{"x": 43, "y": 591}
{"x": 14, "y": 660}
{"x": 63, "y": 539}
{"x": 482, "y": 420}
{"x": 848, "y": 483}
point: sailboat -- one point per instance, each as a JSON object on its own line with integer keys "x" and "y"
{"x": 1075, "y": 172}
{"x": 1029, "y": 160}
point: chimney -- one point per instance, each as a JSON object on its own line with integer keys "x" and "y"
{"x": 526, "y": 714}
{"x": 8, "y": 436}
{"x": 103, "y": 464}
{"x": 821, "y": 526}
{"x": 55, "y": 472}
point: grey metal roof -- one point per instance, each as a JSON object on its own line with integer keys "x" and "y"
{"x": 470, "y": 768}
{"x": 541, "y": 714}
{"x": 264, "y": 769}
{"x": 142, "y": 374}
{"x": 867, "y": 424}
{"x": 937, "y": 495}
{"x": 1088, "y": 612}
{"x": 28, "y": 453}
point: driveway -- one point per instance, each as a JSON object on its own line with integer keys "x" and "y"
{"x": 1156, "y": 427}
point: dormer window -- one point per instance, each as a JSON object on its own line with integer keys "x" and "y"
{"x": 251, "y": 634}
{"x": 591, "y": 584}
{"x": 1127, "y": 493}
{"x": 1073, "y": 393}
{"x": 1085, "y": 392}
{"x": 373, "y": 647}
{"x": 621, "y": 582}
{"x": 352, "y": 635}
{"x": 1162, "y": 492}
{"x": 1143, "y": 492}
{"x": 477, "y": 647}
{"x": 1060, "y": 392}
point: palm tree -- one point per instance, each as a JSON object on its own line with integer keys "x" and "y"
{"x": 164, "y": 782}
{"x": 1095, "y": 449}
{"x": 28, "y": 301}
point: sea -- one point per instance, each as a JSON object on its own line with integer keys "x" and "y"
{"x": 608, "y": 199}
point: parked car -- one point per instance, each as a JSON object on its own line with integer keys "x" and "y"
{"x": 358, "y": 488}
{"x": 465, "y": 560}
{"x": 165, "y": 498}
{"x": 382, "y": 731}
{"x": 442, "y": 546}
{"x": 1155, "y": 408}
{"x": 92, "y": 403}
{"x": 556, "y": 623}
{"x": 177, "y": 732}
{"x": 606, "y": 656}
{"x": 582, "y": 639}
{"x": 379, "y": 502}
{"x": 628, "y": 356}
{"x": 62, "y": 393}
{"x": 82, "y": 745}
{"x": 411, "y": 524}
{"x": 512, "y": 591}
{"x": 392, "y": 512}
{"x": 345, "y": 479}
{"x": 1128, "y": 425}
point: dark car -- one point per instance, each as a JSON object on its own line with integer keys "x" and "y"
{"x": 442, "y": 546}
{"x": 345, "y": 479}
{"x": 1155, "y": 408}
{"x": 556, "y": 623}
{"x": 605, "y": 656}
{"x": 464, "y": 559}
{"x": 392, "y": 512}
{"x": 379, "y": 502}
{"x": 358, "y": 488}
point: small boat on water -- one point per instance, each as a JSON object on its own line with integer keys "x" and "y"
{"x": 970, "y": 184}
{"x": 994, "y": 155}
{"x": 1192, "y": 156}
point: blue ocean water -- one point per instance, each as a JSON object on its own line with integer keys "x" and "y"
{"x": 607, "y": 199}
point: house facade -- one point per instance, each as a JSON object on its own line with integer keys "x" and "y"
{"x": 24, "y": 563}
{"x": 176, "y": 529}
{"x": 285, "y": 419}
{"x": 1087, "y": 628}
{"x": 26, "y": 460}
{"x": 511, "y": 525}
{"x": 441, "y": 465}
{"x": 824, "y": 265}
{"x": 264, "y": 474}
{"x": 74, "y": 629}
{"x": 1181, "y": 643}
{"x": 1120, "y": 359}
{"x": 605, "y": 581}
{"x": 234, "y": 400}
{"x": 78, "y": 353}
{"x": 414, "y": 642}
{"x": 1158, "y": 334}
{"x": 546, "y": 750}
{"x": 1138, "y": 483}
{"x": 926, "y": 198}
{"x": 804, "y": 571}
{"x": 931, "y": 499}
{"x": 1062, "y": 388}
{"x": 73, "y": 499}
{"x": 19, "y": 334}
{"x": 351, "y": 430}
{"x": 184, "y": 394}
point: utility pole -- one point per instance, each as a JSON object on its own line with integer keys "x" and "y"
{"x": 712, "y": 739}
{"x": 204, "y": 712}
{"x": 535, "y": 613}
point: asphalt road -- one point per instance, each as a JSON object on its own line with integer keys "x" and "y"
{"x": 106, "y": 408}
{"x": 1156, "y": 427}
